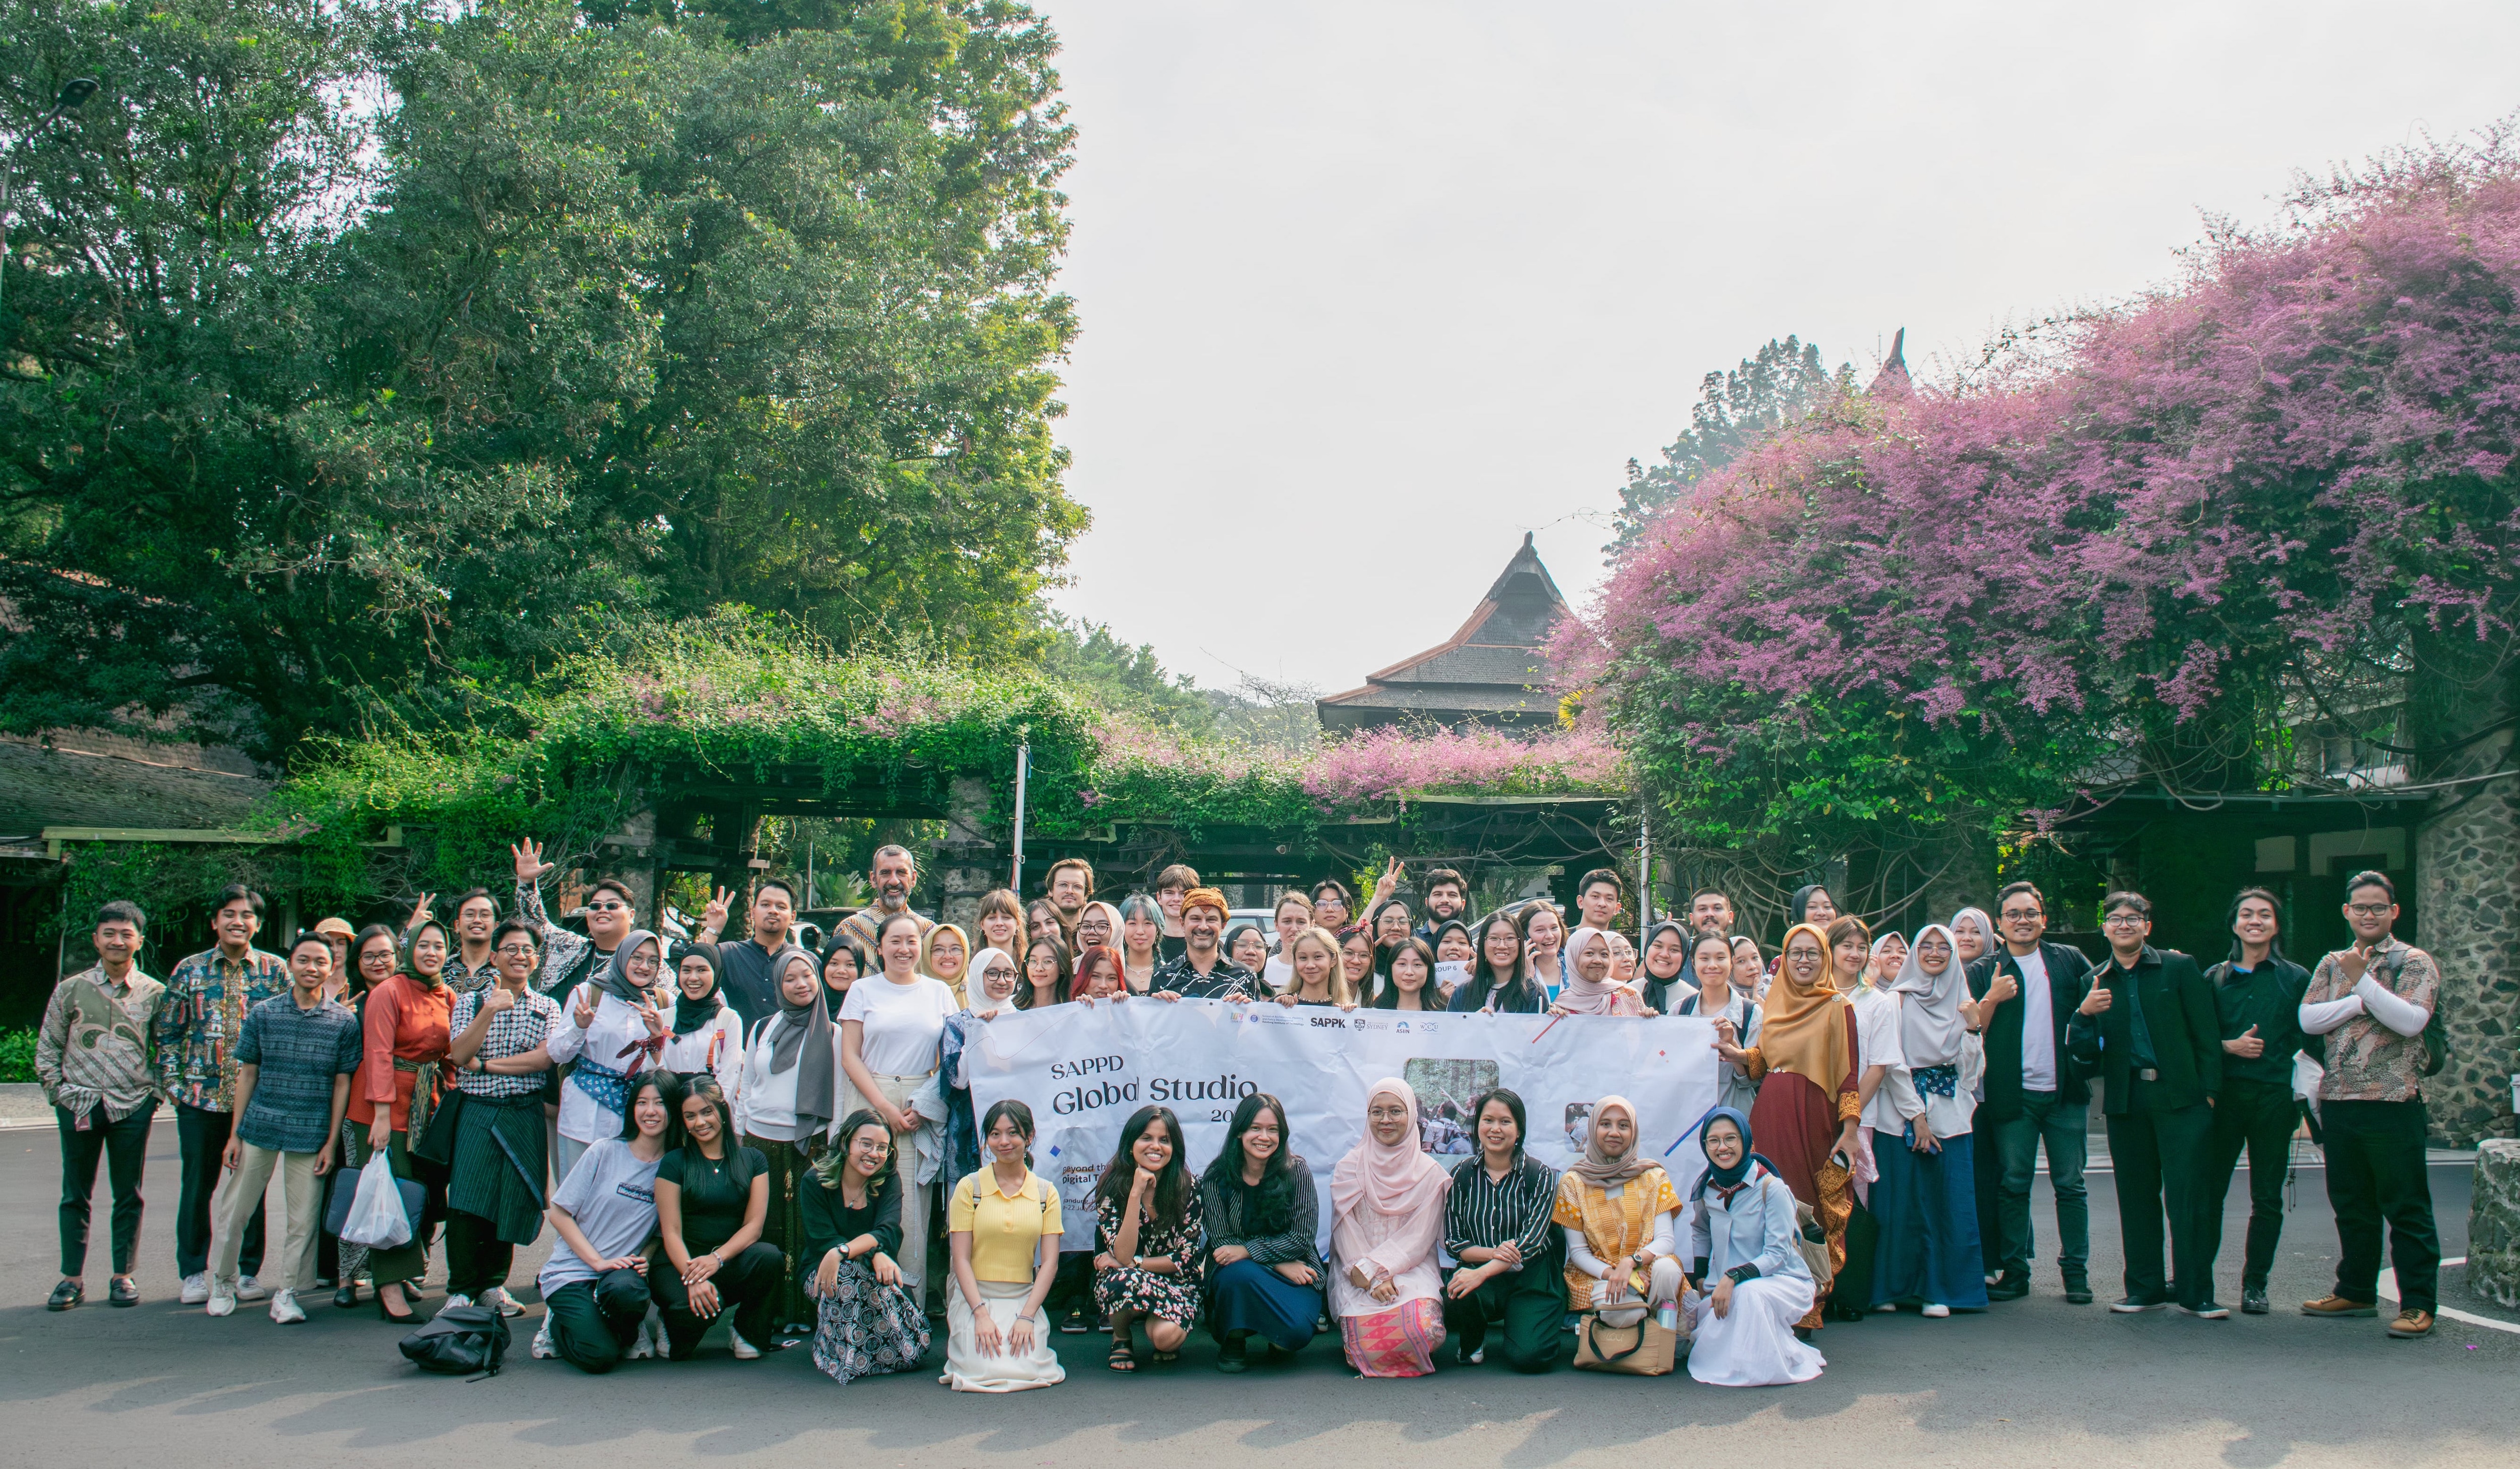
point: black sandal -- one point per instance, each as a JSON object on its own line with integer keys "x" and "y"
{"x": 1122, "y": 1358}
{"x": 1072, "y": 1323}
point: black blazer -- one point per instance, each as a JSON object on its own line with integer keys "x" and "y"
{"x": 2067, "y": 983}
{"x": 2180, "y": 1016}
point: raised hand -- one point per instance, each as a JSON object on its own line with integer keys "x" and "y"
{"x": 529, "y": 861}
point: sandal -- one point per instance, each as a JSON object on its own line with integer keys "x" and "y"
{"x": 1122, "y": 1358}
{"x": 1166, "y": 1358}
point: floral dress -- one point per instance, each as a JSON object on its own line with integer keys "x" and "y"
{"x": 1173, "y": 1297}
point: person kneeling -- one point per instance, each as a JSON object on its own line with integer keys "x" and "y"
{"x": 1616, "y": 1206}
{"x": 1005, "y": 1225}
{"x": 1497, "y": 1224}
{"x": 1387, "y": 1218}
{"x": 864, "y": 1321}
{"x": 594, "y": 1286}
{"x": 1748, "y": 1245}
{"x": 712, "y": 1199}
{"x": 1263, "y": 1269}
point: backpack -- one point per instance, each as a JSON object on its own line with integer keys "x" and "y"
{"x": 461, "y": 1341}
{"x": 2436, "y": 1034}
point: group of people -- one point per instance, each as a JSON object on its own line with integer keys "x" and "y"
{"x": 782, "y": 1138}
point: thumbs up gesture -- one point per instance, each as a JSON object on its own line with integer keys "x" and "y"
{"x": 2247, "y": 1043}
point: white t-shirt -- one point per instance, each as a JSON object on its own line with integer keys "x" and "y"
{"x": 611, "y": 1194}
{"x": 2038, "y": 1023}
{"x": 905, "y": 1024}
{"x": 1878, "y": 1044}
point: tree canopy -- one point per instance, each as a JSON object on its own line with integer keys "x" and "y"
{"x": 354, "y": 358}
{"x": 1734, "y": 410}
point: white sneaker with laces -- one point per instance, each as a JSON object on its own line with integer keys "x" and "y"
{"x": 744, "y": 1351}
{"x": 222, "y": 1298}
{"x": 249, "y": 1289}
{"x": 454, "y": 1300}
{"x": 197, "y": 1289}
{"x": 497, "y": 1298}
{"x": 1936, "y": 1311}
{"x": 285, "y": 1309}
{"x": 642, "y": 1344}
{"x": 543, "y": 1349}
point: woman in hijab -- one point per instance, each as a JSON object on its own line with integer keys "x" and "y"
{"x": 1623, "y": 960}
{"x": 613, "y": 1029}
{"x": 789, "y": 1096}
{"x": 845, "y": 961}
{"x": 1099, "y": 925}
{"x": 1858, "y": 957}
{"x": 1500, "y": 974}
{"x": 1973, "y": 934}
{"x": 1589, "y": 990}
{"x": 1616, "y": 1206}
{"x": 998, "y": 993}
{"x": 404, "y": 1026}
{"x": 1889, "y": 956}
{"x": 1808, "y": 1106}
{"x": 1717, "y": 964}
{"x": 1387, "y": 1219}
{"x": 945, "y": 954}
{"x": 1925, "y": 1201}
{"x": 1812, "y": 904}
{"x": 708, "y": 1037}
{"x": 1754, "y": 1283}
{"x": 1454, "y": 954}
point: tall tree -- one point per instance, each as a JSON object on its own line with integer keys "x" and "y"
{"x": 1779, "y": 385}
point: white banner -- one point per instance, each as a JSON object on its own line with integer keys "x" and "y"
{"x": 1084, "y": 1069}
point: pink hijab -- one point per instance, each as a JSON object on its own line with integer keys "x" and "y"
{"x": 1396, "y": 1179}
{"x": 1579, "y": 996}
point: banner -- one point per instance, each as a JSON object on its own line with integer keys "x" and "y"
{"x": 1084, "y": 1067}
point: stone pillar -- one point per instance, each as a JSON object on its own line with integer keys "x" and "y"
{"x": 964, "y": 863}
{"x": 2494, "y": 1222}
{"x": 2467, "y": 867}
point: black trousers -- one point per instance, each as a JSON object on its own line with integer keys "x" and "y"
{"x": 476, "y": 1259}
{"x": 124, "y": 1147}
{"x": 1989, "y": 1162}
{"x": 749, "y": 1285}
{"x": 201, "y": 1140}
{"x": 592, "y": 1321}
{"x": 2160, "y": 1155}
{"x": 2376, "y": 1171}
{"x": 2258, "y": 1117}
{"x": 1527, "y": 1307}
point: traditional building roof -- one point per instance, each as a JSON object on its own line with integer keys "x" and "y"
{"x": 1491, "y": 671}
{"x": 1892, "y": 381}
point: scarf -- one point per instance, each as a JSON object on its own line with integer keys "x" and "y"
{"x": 1727, "y": 1180}
{"x": 801, "y": 1039}
{"x": 1873, "y": 962}
{"x": 1688, "y": 945}
{"x": 1802, "y": 1027}
{"x": 1988, "y": 941}
{"x": 614, "y": 978}
{"x": 1583, "y": 997}
{"x": 1930, "y": 1026}
{"x": 1395, "y": 1179}
{"x": 691, "y": 1014}
{"x": 1600, "y": 1169}
{"x": 978, "y": 992}
{"x": 1797, "y": 911}
{"x": 927, "y": 954}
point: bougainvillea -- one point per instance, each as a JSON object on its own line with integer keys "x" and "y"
{"x": 2288, "y": 473}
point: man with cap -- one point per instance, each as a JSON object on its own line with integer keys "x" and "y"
{"x": 1203, "y": 972}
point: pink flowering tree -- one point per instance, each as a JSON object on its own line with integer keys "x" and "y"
{"x": 2281, "y": 486}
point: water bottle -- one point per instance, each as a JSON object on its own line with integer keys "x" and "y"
{"x": 1668, "y": 1316}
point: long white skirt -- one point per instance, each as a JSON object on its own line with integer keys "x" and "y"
{"x": 967, "y": 1371}
{"x": 1754, "y": 1347}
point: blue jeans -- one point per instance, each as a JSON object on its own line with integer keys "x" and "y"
{"x": 2064, "y": 1129}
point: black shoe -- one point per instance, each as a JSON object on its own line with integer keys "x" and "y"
{"x": 66, "y": 1296}
{"x": 2009, "y": 1287}
{"x": 347, "y": 1295}
{"x": 2128, "y": 1305}
{"x": 2253, "y": 1300}
{"x": 1072, "y": 1323}
{"x": 1231, "y": 1357}
{"x": 2078, "y": 1292}
{"x": 120, "y": 1291}
{"x": 2208, "y": 1310}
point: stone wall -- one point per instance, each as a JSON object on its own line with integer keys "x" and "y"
{"x": 2494, "y": 1222}
{"x": 2467, "y": 860}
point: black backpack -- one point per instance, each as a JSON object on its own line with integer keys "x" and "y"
{"x": 461, "y": 1341}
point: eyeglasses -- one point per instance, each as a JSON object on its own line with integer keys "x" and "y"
{"x": 2371, "y": 909}
{"x": 2010, "y": 914}
{"x": 518, "y": 950}
{"x": 2125, "y": 920}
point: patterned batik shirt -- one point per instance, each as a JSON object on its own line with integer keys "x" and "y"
{"x": 200, "y": 1017}
{"x": 2367, "y": 1061}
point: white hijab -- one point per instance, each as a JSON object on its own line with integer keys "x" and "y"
{"x": 1930, "y": 1025}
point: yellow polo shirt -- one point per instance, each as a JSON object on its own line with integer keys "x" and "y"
{"x": 1006, "y": 1229}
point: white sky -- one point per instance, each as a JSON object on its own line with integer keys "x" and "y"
{"x": 1368, "y": 289}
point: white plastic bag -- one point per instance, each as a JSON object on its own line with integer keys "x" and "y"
{"x": 377, "y": 1218}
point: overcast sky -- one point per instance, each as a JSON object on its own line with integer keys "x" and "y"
{"x": 1370, "y": 289}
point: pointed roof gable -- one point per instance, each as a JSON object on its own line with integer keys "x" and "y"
{"x": 1486, "y": 667}
{"x": 1892, "y": 381}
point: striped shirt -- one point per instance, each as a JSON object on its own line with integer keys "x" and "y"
{"x": 513, "y": 1032}
{"x": 296, "y": 1055}
{"x": 1483, "y": 1213}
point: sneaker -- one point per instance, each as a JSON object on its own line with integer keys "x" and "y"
{"x": 249, "y": 1289}
{"x": 2208, "y": 1310}
{"x": 542, "y": 1350}
{"x": 2338, "y": 1306}
{"x": 285, "y": 1309}
{"x": 1935, "y": 1311}
{"x": 497, "y": 1298}
{"x": 454, "y": 1300}
{"x": 2253, "y": 1300}
{"x": 744, "y": 1351}
{"x": 2078, "y": 1292}
{"x": 2127, "y": 1306}
{"x": 642, "y": 1342}
{"x": 222, "y": 1298}
{"x": 2009, "y": 1287}
{"x": 197, "y": 1289}
{"x": 1886, "y": 1308}
{"x": 2411, "y": 1324}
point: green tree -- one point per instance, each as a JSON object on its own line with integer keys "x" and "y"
{"x": 1091, "y": 662}
{"x": 1734, "y": 409}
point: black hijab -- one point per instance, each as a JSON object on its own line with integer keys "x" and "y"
{"x": 691, "y": 1014}
{"x": 1801, "y": 904}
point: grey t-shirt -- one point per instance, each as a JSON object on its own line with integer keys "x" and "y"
{"x": 611, "y": 1193}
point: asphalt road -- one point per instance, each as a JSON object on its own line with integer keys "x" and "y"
{"x": 2031, "y": 1383}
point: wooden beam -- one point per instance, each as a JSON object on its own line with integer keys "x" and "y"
{"x": 217, "y": 835}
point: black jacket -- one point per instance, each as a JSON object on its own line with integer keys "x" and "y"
{"x": 2067, "y": 982}
{"x": 2269, "y": 999}
{"x": 2180, "y": 1018}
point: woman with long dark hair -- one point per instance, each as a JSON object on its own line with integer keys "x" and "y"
{"x": 1500, "y": 977}
{"x": 864, "y": 1321}
{"x": 1498, "y": 1224}
{"x": 1147, "y": 1223}
{"x": 594, "y": 1286}
{"x": 404, "y": 1032}
{"x": 1047, "y": 973}
{"x": 1264, "y": 1265}
{"x": 712, "y": 1204}
{"x": 1406, "y": 971}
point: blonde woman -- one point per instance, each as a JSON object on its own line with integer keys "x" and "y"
{"x": 1320, "y": 972}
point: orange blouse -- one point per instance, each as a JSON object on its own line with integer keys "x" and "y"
{"x": 405, "y": 1021}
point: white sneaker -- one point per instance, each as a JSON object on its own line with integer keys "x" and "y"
{"x": 452, "y": 1302}
{"x": 285, "y": 1309}
{"x": 744, "y": 1351}
{"x": 197, "y": 1289}
{"x": 543, "y": 1349}
{"x": 497, "y": 1298}
{"x": 1936, "y": 1311}
{"x": 643, "y": 1345}
{"x": 222, "y": 1298}
{"x": 1885, "y": 1307}
{"x": 249, "y": 1289}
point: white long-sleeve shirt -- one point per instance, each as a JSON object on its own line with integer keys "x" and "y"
{"x": 716, "y": 1047}
{"x": 582, "y": 1119}
{"x": 766, "y": 1101}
